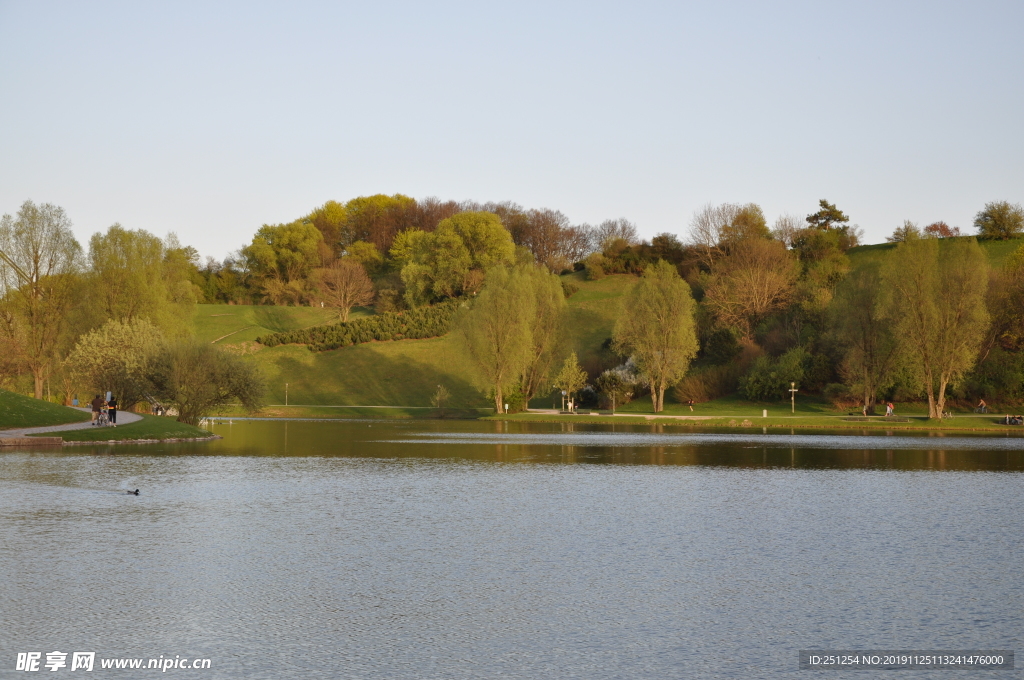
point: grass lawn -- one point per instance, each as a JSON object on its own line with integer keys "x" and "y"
{"x": 17, "y": 411}
{"x": 997, "y": 251}
{"x": 150, "y": 427}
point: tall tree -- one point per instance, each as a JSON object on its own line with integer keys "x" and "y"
{"x": 135, "y": 276}
{"x": 859, "y": 326}
{"x": 545, "y": 328}
{"x": 657, "y": 328}
{"x": 572, "y": 378}
{"x": 936, "y": 303}
{"x": 280, "y": 258}
{"x": 497, "y": 331}
{"x": 1000, "y": 220}
{"x": 39, "y": 265}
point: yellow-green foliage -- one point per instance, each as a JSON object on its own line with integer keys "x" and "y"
{"x": 17, "y": 410}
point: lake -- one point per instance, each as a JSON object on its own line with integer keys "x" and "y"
{"x": 470, "y": 549}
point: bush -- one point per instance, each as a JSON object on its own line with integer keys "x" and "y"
{"x": 770, "y": 379}
{"x": 713, "y": 382}
{"x": 569, "y": 288}
{"x": 422, "y": 322}
{"x": 594, "y": 265}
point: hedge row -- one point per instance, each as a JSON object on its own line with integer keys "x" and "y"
{"x": 423, "y": 322}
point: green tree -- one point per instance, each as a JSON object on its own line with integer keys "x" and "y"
{"x": 196, "y": 378}
{"x": 572, "y": 378}
{"x": 40, "y": 261}
{"x": 827, "y": 217}
{"x": 747, "y": 221}
{"x": 486, "y": 239}
{"x": 496, "y": 331}
{"x": 1000, "y": 220}
{"x": 936, "y": 305}
{"x": 859, "y": 327}
{"x": 657, "y": 328}
{"x": 116, "y": 357}
{"x": 545, "y": 328}
{"x": 280, "y": 258}
{"x": 133, "y": 275}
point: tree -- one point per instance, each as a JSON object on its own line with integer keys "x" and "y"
{"x": 545, "y": 328}
{"x": 907, "y": 232}
{"x": 828, "y": 216}
{"x": 745, "y": 222}
{"x": 133, "y": 275}
{"x": 116, "y": 357}
{"x": 858, "y": 324}
{"x": 572, "y": 378}
{"x": 440, "y": 399}
{"x": 936, "y": 304}
{"x": 657, "y": 328}
{"x": 496, "y": 331}
{"x": 941, "y": 230}
{"x": 610, "y": 230}
{"x": 343, "y": 285}
{"x": 752, "y": 281}
{"x": 1000, "y": 220}
{"x": 39, "y": 265}
{"x": 280, "y": 258}
{"x": 196, "y": 378}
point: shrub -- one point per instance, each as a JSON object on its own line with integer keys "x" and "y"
{"x": 569, "y": 288}
{"x": 770, "y": 378}
{"x": 422, "y": 322}
{"x": 713, "y": 382}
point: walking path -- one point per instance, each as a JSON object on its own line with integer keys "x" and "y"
{"x": 123, "y": 417}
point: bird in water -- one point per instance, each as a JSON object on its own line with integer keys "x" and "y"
{"x": 133, "y": 493}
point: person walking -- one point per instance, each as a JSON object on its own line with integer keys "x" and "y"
{"x": 112, "y": 410}
{"x": 97, "y": 406}
{"x": 889, "y": 410}
{"x": 690, "y": 404}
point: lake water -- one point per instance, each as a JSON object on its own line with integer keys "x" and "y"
{"x": 433, "y": 549}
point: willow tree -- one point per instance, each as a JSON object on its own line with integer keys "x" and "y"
{"x": 657, "y": 328}
{"x": 545, "y": 328}
{"x": 40, "y": 261}
{"x": 497, "y": 333}
{"x": 936, "y": 304}
{"x": 860, "y": 327}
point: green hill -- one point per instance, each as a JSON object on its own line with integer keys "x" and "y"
{"x": 401, "y": 373}
{"x": 17, "y": 410}
{"x": 233, "y": 324}
{"x": 997, "y": 251}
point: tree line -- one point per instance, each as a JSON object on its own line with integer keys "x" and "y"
{"x": 734, "y": 305}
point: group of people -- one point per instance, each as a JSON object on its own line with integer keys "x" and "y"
{"x": 1013, "y": 420}
{"x": 101, "y": 407}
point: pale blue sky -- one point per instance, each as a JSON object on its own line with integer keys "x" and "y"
{"x": 210, "y": 119}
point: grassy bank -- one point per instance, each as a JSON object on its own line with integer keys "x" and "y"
{"x": 149, "y": 428}
{"x": 17, "y": 411}
{"x": 386, "y": 412}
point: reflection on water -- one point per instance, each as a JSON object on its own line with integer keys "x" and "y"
{"x": 401, "y": 550}
{"x": 618, "y": 444}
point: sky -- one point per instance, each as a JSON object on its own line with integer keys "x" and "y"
{"x": 212, "y": 119}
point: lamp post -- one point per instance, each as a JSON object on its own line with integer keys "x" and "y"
{"x": 563, "y": 399}
{"x": 286, "y": 394}
{"x": 792, "y": 396}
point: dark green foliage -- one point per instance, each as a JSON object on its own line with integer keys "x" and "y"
{"x": 827, "y": 216}
{"x": 999, "y": 379}
{"x": 569, "y": 288}
{"x": 769, "y": 379}
{"x": 721, "y": 347}
{"x": 422, "y": 322}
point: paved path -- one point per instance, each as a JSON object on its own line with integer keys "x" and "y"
{"x": 123, "y": 418}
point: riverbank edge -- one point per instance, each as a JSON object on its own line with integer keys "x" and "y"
{"x": 144, "y": 441}
{"x": 733, "y": 422}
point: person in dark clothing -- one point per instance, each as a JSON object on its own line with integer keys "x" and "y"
{"x": 97, "y": 406}
{"x": 112, "y": 410}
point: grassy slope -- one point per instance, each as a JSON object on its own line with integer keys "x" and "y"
{"x": 997, "y": 251}
{"x": 18, "y": 411}
{"x": 150, "y": 427}
{"x": 244, "y": 323}
{"x": 407, "y": 372}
